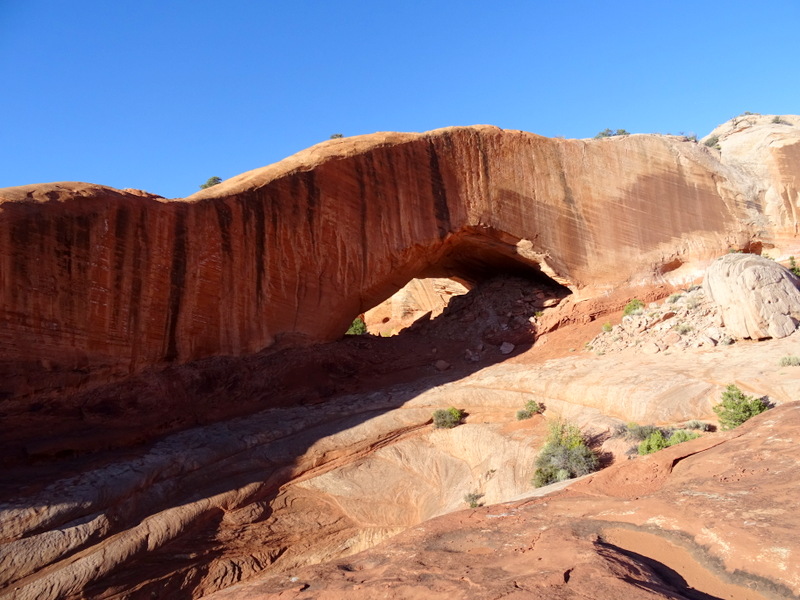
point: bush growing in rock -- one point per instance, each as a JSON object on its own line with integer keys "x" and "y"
{"x": 736, "y": 407}
{"x": 358, "y": 327}
{"x": 531, "y": 408}
{"x": 472, "y": 499}
{"x": 653, "y": 443}
{"x": 680, "y": 436}
{"x": 790, "y": 361}
{"x": 565, "y": 455}
{"x": 699, "y": 425}
{"x": 633, "y": 306}
{"x": 657, "y": 441}
{"x": 447, "y": 419}
{"x": 634, "y": 431}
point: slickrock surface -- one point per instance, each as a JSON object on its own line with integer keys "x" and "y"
{"x": 711, "y": 518}
{"x": 97, "y": 283}
{"x": 758, "y": 297}
{"x": 198, "y": 511}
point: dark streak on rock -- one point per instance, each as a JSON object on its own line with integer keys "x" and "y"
{"x": 120, "y": 246}
{"x": 224, "y": 220}
{"x": 440, "y": 207}
{"x": 177, "y": 282}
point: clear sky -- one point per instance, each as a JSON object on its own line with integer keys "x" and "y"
{"x": 161, "y": 95}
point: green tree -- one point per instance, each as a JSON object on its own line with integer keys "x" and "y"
{"x": 336, "y": 136}
{"x": 211, "y": 182}
{"x": 736, "y": 408}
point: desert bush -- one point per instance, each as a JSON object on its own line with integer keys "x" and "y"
{"x": 712, "y": 142}
{"x": 472, "y": 499}
{"x": 674, "y": 298}
{"x": 790, "y": 361}
{"x": 447, "y": 418}
{"x": 653, "y": 443}
{"x": 793, "y": 266}
{"x": 565, "y": 455}
{"x": 610, "y": 133}
{"x": 532, "y": 407}
{"x": 607, "y": 326}
{"x": 736, "y": 407}
{"x": 358, "y": 327}
{"x": 725, "y": 340}
{"x": 680, "y": 436}
{"x": 683, "y": 328}
{"x": 210, "y": 182}
{"x": 633, "y": 306}
{"x": 636, "y": 432}
{"x": 699, "y": 425}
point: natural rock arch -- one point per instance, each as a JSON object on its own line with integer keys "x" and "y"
{"x": 112, "y": 281}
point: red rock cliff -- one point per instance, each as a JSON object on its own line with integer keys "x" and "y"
{"x": 112, "y": 281}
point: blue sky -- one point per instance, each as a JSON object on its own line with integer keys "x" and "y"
{"x": 162, "y": 95}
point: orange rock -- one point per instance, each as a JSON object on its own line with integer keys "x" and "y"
{"x": 113, "y": 281}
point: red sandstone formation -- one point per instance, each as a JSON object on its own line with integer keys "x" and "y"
{"x": 110, "y": 281}
{"x": 710, "y": 518}
{"x": 149, "y": 487}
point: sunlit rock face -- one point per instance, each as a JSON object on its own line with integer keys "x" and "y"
{"x": 98, "y": 283}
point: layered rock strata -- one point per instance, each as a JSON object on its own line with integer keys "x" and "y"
{"x": 108, "y": 281}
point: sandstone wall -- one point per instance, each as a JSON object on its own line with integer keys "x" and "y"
{"x": 109, "y": 281}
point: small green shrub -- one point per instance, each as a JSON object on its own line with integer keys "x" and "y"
{"x": 472, "y": 499}
{"x": 793, "y": 266}
{"x": 358, "y": 327}
{"x": 653, "y": 443}
{"x": 565, "y": 455}
{"x": 607, "y": 326}
{"x": 610, "y": 133}
{"x": 210, "y": 182}
{"x": 683, "y": 328}
{"x": 790, "y": 361}
{"x": 532, "y": 407}
{"x": 336, "y": 136}
{"x": 636, "y": 432}
{"x": 736, "y": 407}
{"x": 633, "y": 306}
{"x": 674, "y": 298}
{"x": 680, "y": 436}
{"x": 447, "y": 419}
{"x": 699, "y": 425}
{"x": 713, "y": 142}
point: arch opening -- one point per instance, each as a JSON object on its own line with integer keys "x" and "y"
{"x": 475, "y": 261}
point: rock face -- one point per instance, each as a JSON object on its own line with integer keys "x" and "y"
{"x": 100, "y": 282}
{"x": 758, "y": 297}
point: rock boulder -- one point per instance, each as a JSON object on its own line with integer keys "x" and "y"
{"x": 758, "y": 297}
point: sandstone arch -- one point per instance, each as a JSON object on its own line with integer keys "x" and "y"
{"x": 112, "y": 281}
